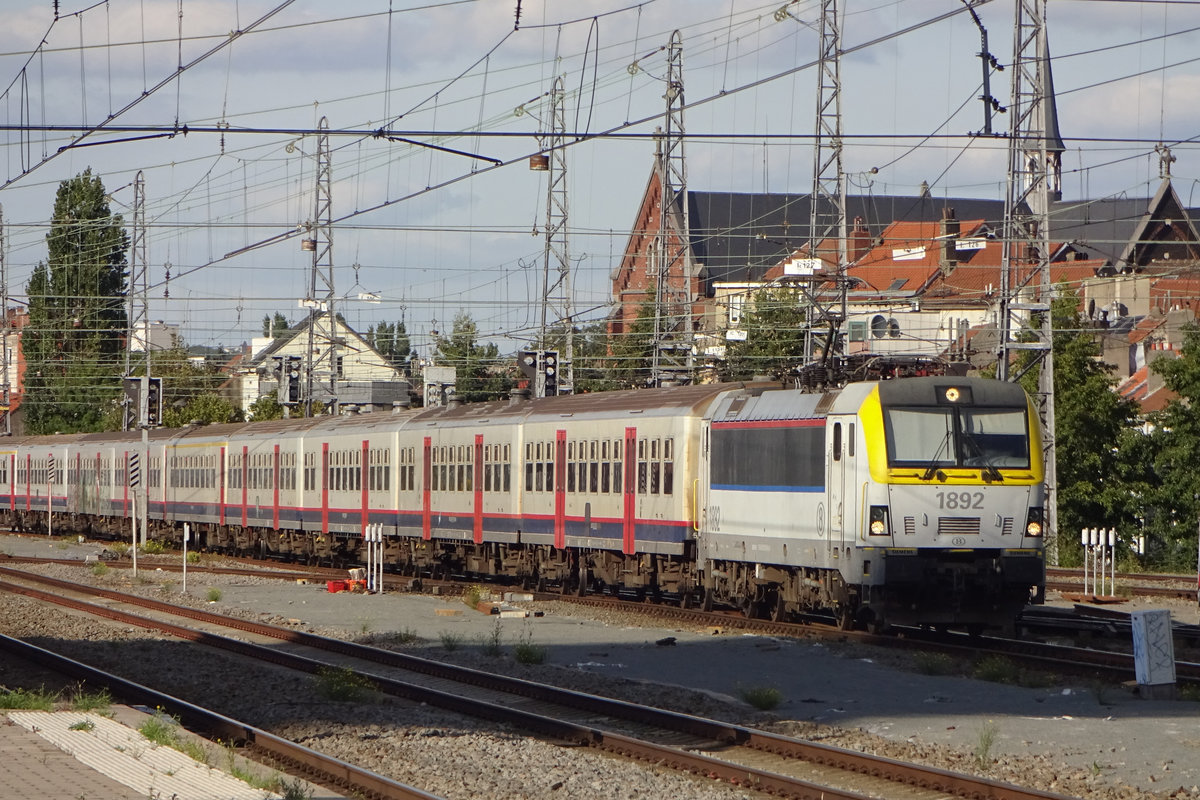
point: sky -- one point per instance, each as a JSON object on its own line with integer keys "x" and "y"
{"x": 433, "y": 233}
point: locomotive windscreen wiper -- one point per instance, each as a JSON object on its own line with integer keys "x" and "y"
{"x": 987, "y": 470}
{"x": 931, "y": 470}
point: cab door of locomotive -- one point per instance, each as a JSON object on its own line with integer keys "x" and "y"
{"x": 839, "y": 474}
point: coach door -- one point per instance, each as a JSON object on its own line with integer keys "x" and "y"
{"x": 835, "y": 483}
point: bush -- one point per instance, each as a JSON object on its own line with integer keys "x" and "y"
{"x": 153, "y": 547}
{"x": 213, "y": 594}
{"x": 526, "y": 652}
{"x": 928, "y": 663}
{"x": 473, "y": 595}
{"x": 342, "y": 684}
{"x": 997, "y": 669}
{"x": 764, "y": 698}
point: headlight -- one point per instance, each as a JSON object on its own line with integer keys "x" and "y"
{"x": 878, "y": 521}
{"x": 1033, "y": 523}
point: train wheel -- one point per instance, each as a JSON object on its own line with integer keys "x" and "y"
{"x": 750, "y": 608}
{"x": 582, "y": 587}
{"x": 706, "y": 605}
{"x": 778, "y": 609}
{"x": 845, "y": 618}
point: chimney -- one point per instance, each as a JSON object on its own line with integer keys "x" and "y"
{"x": 860, "y": 240}
{"x": 949, "y": 237}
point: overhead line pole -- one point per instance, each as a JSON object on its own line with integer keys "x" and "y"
{"x": 320, "y": 357}
{"x": 1034, "y": 174}
{"x": 827, "y": 205}
{"x": 556, "y": 295}
{"x": 5, "y": 333}
{"x": 672, "y": 360}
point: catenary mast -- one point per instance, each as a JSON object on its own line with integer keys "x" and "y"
{"x": 1034, "y": 181}
{"x": 672, "y": 360}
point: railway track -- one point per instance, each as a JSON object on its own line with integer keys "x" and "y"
{"x": 265, "y": 747}
{"x": 1060, "y": 659}
{"x": 778, "y": 765}
{"x": 1139, "y": 584}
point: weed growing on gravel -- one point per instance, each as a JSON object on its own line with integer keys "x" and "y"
{"x": 153, "y": 547}
{"x": 764, "y": 698}
{"x": 193, "y": 557}
{"x": 26, "y": 699}
{"x": 274, "y": 783}
{"x": 161, "y": 731}
{"x": 293, "y": 790}
{"x": 1189, "y": 691}
{"x": 997, "y": 669}
{"x": 364, "y": 626}
{"x": 342, "y": 684}
{"x": 983, "y": 746}
{"x": 450, "y": 641}
{"x": 99, "y": 569}
{"x": 473, "y": 595}
{"x": 100, "y": 701}
{"x": 120, "y": 548}
{"x": 406, "y": 636}
{"x": 213, "y": 594}
{"x": 193, "y": 749}
{"x": 83, "y": 725}
{"x": 491, "y": 644}
{"x": 525, "y": 651}
{"x": 928, "y": 663}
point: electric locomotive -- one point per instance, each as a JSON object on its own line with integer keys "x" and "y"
{"x": 912, "y": 500}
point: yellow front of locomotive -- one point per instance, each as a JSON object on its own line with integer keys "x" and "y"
{"x": 952, "y": 509}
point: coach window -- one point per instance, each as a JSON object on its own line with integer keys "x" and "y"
{"x": 655, "y": 466}
{"x": 618, "y": 468}
{"x": 593, "y": 466}
{"x": 837, "y": 441}
{"x": 529, "y": 466}
{"x": 310, "y": 472}
{"x": 605, "y": 482}
{"x": 469, "y": 471}
{"x": 506, "y": 468}
{"x": 642, "y": 470}
{"x": 487, "y": 467}
{"x": 571, "y": 458}
{"x": 668, "y": 465}
{"x": 539, "y": 466}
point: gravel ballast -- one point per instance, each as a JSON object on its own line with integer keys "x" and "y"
{"x": 1077, "y": 740}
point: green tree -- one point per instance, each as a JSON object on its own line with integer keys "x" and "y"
{"x": 774, "y": 325}
{"x": 276, "y": 326}
{"x": 207, "y": 409}
{"x": 591, "y": 365}
{"x": 73, "y": 343}
{"x": 265, "y": 408}
{"x": 1172, "y": 483}
{"x": 1092, "y": 425}
{"x": 632, "y": 350}
{"x": 479, "y": 369}
{"x": 392, "y": 342}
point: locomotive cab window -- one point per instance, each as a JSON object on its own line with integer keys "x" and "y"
{"x": 952, "y": 436}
